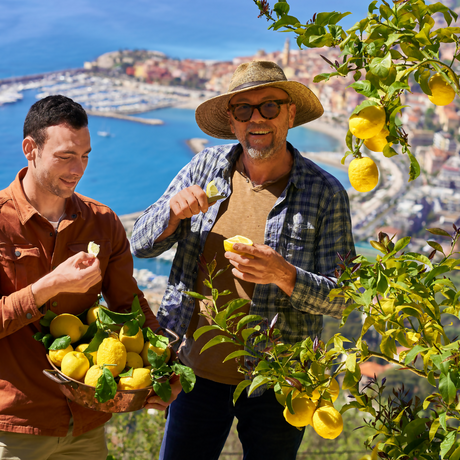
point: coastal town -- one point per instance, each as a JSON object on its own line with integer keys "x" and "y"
{"x": 130, "y": 82}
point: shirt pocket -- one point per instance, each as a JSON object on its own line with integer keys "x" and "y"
{"x": 20, "y": 266}
{"x": 105, "y": 251}
{"x": 299, "y": 241}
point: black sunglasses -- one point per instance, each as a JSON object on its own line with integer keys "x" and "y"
{"x": 268, "y": 109}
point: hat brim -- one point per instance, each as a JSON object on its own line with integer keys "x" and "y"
{"x": 212, "y": 118}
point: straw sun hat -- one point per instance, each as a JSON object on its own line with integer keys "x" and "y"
{"x": 212, "y": 117}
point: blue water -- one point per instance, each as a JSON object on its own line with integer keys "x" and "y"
{"x": 46, "y": 35}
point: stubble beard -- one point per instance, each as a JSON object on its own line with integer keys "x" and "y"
{"x": 267, "y": 152}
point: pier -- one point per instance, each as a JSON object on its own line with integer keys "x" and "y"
{"x": 146, "y": 121}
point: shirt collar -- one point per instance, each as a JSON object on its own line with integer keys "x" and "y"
{"x": 25, "y": 210}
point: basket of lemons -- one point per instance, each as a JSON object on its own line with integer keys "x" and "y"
{"x": 107, "y": 361}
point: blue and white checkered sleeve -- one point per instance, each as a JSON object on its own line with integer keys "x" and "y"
{"x": 154, "y": 221}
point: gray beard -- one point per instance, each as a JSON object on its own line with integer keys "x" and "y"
{"x": 265, "y": 154}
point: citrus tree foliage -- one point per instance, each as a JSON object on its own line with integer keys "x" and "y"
{"x": 382, "y": 52}
{"x": 407, "y": 298}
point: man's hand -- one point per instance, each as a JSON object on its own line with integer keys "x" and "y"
{"x": 77, "y": 274}
{"x": 266, "y": 266}
{"x": 183, "y": 205}
{"x": 155, "y": 402}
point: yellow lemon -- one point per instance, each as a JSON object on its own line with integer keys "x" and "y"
{"x": 158, "y": 351}
{"x": 93, "y": 374}
{"x": 281, "y": 397}
{"x": 377, "y": 143}
{"x": 133, "y": 343}
{"x": 93, "y": 248}
{"x": 229, "y": 242}
{"x": 67, "y": 324}
{"x": 91, "y": 315}
{"x": 57, "y": 355}
{"x": 363, "y": 174}
{"x": 83, "y": 346}
{"x": 75, "y": 365}
{"x": 327, "y": 421}
{"x": 441, "y": 92}
{"x": 140, "y": 379}
{"x": 112, "y": 351}
{"x": 333, "y": 391}
{"x": 303, "y": 412}
{"x": 134, "y": 360}
{"x": 211, "y": 190}
{"x": 368, "y": 122}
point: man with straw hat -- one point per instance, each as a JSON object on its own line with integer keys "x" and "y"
{"x": 296, "y": 214}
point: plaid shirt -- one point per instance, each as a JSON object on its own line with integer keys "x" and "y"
{"x": 308, "y": 226}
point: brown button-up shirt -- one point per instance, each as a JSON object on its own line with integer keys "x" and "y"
{"x": 29, "y": 249}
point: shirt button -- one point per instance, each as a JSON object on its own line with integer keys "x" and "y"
{"x": 29, "y": 315}
{"x": 54, "y": 304}
{"x": 54, "y": 267}
{"x": 51, "y": 234}
{"x": 74, "y": 216}
{"x": 17, "y": 253}
{"x": 182, "y": 325}
{"x": 209, "y": 221}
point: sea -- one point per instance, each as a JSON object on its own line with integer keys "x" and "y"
{"x": 131, "y": 168}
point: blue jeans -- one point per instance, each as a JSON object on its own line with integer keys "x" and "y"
{"x": 199, "y": 422}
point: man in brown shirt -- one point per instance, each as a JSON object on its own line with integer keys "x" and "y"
{"x": 45, "y": 228}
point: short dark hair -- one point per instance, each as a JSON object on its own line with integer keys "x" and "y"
{"x": 52, "y": 111}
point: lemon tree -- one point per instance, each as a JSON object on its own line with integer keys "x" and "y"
{"x": 395, "y": 47}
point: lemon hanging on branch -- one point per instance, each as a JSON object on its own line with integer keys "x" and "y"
{"x": 441, "y": 92}
{"x": 378, "y": 142}
{"x": 363, "y": 174}
{"x": 368, "y": 122}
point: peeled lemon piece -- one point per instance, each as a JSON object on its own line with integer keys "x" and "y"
{"x": 93, "y": 248}
{"x": 228, "y": 244}
{"x": 211, "y": 189}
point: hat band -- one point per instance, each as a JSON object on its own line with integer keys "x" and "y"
{"x": 253, "y": 83}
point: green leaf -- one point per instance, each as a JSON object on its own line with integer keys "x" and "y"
{"x": 439, "y": 232}
{"x": 46, "y": 320}
{"x": 106, "y": 386}
{"x": 281, "y": 8}
{"x": 90, "y": 332}
{"x": 61, "y": 343}
{"x": 413, "y": 353}
{"x": 199, "y": 332}
{"x": 402, "y": 243}
{"x": 246, "y": 320}
{"x": 411, "y": 51}
{"x": 46, "y": 339}
{"x": 448, "y": 442}
{"x": 163, "y": 390}
{"x": 257, "y": 382}
{"x": 109, "y": 317}
{"x": 447, "y": 388}
{"x": 221, "y": 319}
{"x": 157, "y": 340}
{"x": 239, "y": 389}
{"x": 423, "y": 82}
{"x": 97, "y": 340}
{"x": 388, "y": 346}
{"x": 436, "y": 271}
{"x": 381, "y": 66}
{"x": 248, "y": 332}
{"x": 396, "y": 86}
{"x": 433, "y": 429}
{"x": 365, "y": 88}
{"x": 285, "y": 20}
{"x": 456, "y": 454}
{"x": 351, "y": 363}
{"x": 137, "y": 310}
{"x": 234, "y": 305}
{"x": 131, "y": 328}
{"x": 128, "y": 373}
{"x": 216, "y": 341}
{"x": 237, "y": 354}
{"x": 156, "y": 360}
{"x": 195, "y": 295}
{"x": 186, "y": 375}
{"x": 436, "y": 245}
{"x": 414, "y": 170}
{"x": 388, "y": 151}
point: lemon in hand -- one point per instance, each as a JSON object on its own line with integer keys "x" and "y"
{"x": 93, "y": 248}
{"x": 368, "y": 122}
{"x": 441, "y": 92}
{"x": 363, "y": 174}
{"x": 228, "y": 244}
{"x": 211, "y": 190}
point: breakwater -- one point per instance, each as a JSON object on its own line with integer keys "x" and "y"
{"x": 146, "y": 121}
